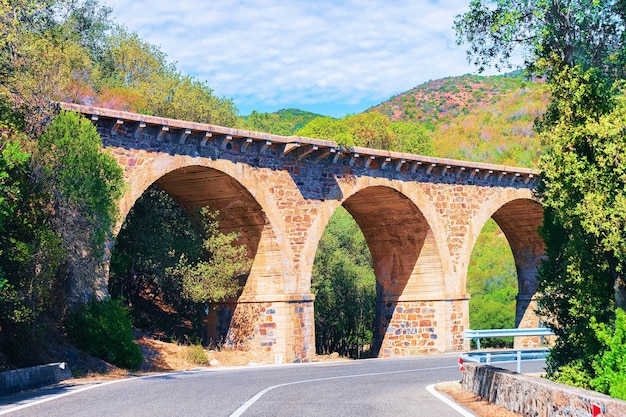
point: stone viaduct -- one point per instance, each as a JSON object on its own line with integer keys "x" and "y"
{"x": 420, "y": 216}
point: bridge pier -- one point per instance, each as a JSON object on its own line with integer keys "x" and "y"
{"x": 273, "y": 329}
{"x": 420, "y": 327}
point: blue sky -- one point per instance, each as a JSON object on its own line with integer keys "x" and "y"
{"x": 333, "y": 57}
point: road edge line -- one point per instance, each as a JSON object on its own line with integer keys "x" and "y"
{"x": 465, "y": 413}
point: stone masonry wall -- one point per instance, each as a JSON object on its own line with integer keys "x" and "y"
{"x": 532, "y": 396}
{"x": 422, "y": 327}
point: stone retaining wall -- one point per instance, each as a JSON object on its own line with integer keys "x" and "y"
{"x": 33, "y": 377}
{"x": 531, "y": 396}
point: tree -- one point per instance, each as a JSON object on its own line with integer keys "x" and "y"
{"x": 583, "y": 196}
{"x": 218, "y": 272}
{"x": 579, "y": 47}
{"x": 44, "y": 55}
{"x": 154, "y": 235}
{"x": 327, "y": 128}
{"x": 371, "y": 130}
{"x": 213, "y": 278}
{"x": 30, "y": 253}
{"x": 413, "y": 138}
{"x": 136, "y": 76}
{"x": 85, "y": 184}
{"x": 547, "y": 34}
{"x": 168, "y": 268}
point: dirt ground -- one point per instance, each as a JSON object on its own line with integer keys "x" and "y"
{"x": 169, "y": 357}
{"x": 472, "y": 402}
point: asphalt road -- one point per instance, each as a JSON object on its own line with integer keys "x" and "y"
{"x": 375, "y": 387}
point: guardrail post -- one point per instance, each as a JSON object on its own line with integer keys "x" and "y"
{"x": 519, "y": 361}
{"x": 488, "y": 359}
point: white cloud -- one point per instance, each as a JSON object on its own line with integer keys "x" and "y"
{"x": 328, "y": 54}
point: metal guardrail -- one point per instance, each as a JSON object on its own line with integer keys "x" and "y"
{"x": 504, "y": 356}
{"x": 478, "y": 334}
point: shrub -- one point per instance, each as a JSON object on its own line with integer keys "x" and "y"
{"x": 196, "y": 355}
{"x": 573, "y": 374}
{"x": 103, "y": 329}
{"x": 610, "y": 365}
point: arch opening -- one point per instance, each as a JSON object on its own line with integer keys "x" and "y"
{"x": 407, "y": 268}
{"x": 520, "y": 221}
{"x": 163, "y": 224}
{"x": 492, "y": 285}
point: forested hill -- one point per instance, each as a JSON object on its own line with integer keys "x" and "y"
{"x": 470, "y": 117}
{"x": 477, "y": 118}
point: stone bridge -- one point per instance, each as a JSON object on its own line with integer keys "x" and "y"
{"x": 420, "y": 216}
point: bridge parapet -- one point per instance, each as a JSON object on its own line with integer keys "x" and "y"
{"x": 304, "y": 147}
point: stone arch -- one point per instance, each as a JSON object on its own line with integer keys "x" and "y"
{"x": 234, "y": 190}
{"x": 519, "y": 216}
{"x": 408, "y": 249}
{"x": 407, "y": 210}
{"x": 244, "y": 206}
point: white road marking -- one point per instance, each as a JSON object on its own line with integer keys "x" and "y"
{"x": 449, "y": 402}
{"x": 86, "y": 388}
{"x": 245, "y": 406}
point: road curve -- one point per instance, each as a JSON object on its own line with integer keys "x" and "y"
{"x": 375, "y": 387}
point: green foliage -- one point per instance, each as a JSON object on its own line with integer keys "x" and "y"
{"x": 413, "y": 138}
{"x": 78, "y": 173}
{"x": 167, "y": 269}
{"x": 327, "y": 128}
{"x": 610, "y": 365}
{"x": 573, "y": 32}
{"x": 103, "y": 329}
{"x": 497, "y": 129}
{"x": 284, "y": 122}
{"x": 136, "y": 76}
{"x": 196, "y": 355}
{"x": 344, "y": 285}
{"x": 583, "y": 199}
{"x": 579, "y": 47}
{"x": 213, "y": 278}
{"x": 155, "y": 234}
{"x": 30, "y": 254}
{"x": 575, "y": 374}
{"x": 370, "y": 130}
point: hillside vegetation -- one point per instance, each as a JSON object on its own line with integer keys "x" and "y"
{"x": 477, "y": 118}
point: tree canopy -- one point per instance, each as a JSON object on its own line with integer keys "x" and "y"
{"x": 545, "y": 34}
{"x": 578, "y": 46}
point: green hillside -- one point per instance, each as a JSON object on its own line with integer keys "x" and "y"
{"x": 283, "y": 122}
{"x": 477, "y": 118}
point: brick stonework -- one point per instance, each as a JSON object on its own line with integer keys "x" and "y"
{"x": 420, "y": 217}
{"x": 422, "y": 327}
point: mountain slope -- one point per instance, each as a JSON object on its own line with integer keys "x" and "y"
{"x": 478, "y": 118}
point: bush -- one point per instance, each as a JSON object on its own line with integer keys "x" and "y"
{"x": 573, "y": 374}
{"x": 196, "y": 355}
{"x": 103, "y": 329}
{"x": 610, "y": 365}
